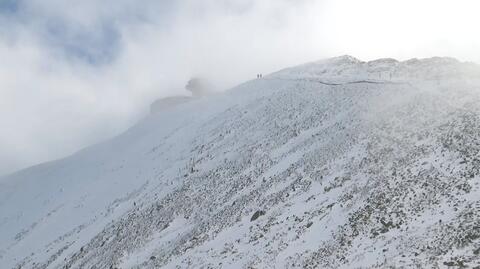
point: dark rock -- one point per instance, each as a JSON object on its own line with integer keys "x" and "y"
{"x": 257, "y": 214}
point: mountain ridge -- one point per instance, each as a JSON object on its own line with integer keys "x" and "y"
{"x": 284, "y": 171}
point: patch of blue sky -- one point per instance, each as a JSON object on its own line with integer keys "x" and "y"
{"x": 9, "y": 6}
{"x": 95, "y": 46}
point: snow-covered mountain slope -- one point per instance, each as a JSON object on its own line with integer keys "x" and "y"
{"x": 333, "y": 164}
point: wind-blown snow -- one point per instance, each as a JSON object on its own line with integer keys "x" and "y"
{"x": 334, "y": 164}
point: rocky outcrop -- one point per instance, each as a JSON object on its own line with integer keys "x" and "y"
{"x": 167, "y": 103}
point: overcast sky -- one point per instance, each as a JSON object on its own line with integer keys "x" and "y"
{"x": 76, "y": 72}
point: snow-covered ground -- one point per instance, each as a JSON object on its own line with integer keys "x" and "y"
{"x": 333, "y": 164}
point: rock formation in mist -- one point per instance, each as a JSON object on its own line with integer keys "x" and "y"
{"x": 197, "y": 86}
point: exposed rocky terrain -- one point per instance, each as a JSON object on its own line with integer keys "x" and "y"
{"x": 333, "y": 164}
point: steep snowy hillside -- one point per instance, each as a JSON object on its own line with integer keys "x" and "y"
{"x": 332, "y": 164}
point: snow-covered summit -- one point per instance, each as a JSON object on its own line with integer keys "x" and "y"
{"x": 340, "y": 60}
{"x": 348, "y": 69}
{"x": 331, "y": 164}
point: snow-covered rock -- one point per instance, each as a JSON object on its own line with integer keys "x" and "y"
{"x": 168, "y": 102}
{"x": 333, "y": 164}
